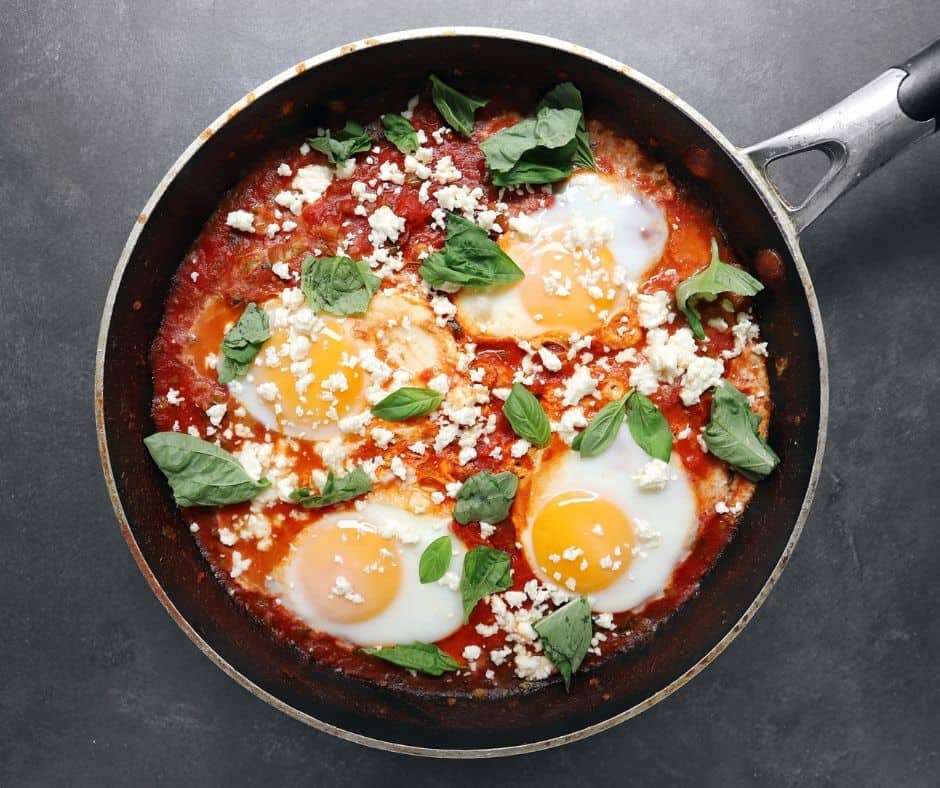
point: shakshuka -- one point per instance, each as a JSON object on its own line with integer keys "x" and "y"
{"x": 464, "y": 396}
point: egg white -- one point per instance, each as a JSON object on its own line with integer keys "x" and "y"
{"x": 419, "y": 612}
{"x": 665, "y": 521}
{"x": 590, "y": 207}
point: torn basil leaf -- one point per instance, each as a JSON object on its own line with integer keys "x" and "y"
{"x": 422, "y": 657}
{"x": 400, "y": 133}
{"x": 407, "y": 403}
{"x": 469, "y": 258}
{"x": 338, "y": 285}
{"x": 526, "y": 416}
{"x": 566, "y": 636}
{"x": 718, "y": 278}
{"x": 344, "y": 144}
{"x": 455, "y": 107}
{"x": 201, "y": 473}
{"x": 435, "y": 559}
{"x": 731, "y": 434}
{"x": 486, "y": 497}
{"x": 566, "y": 95}
{"x": 486, "y": 570}
{"x": 242, "y": 342}
{"x": 336, "y": 490}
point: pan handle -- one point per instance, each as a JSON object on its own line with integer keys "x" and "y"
{"x": 860, "y": 133}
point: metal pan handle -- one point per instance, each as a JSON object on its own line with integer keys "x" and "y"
{"x": 860, "y": 133}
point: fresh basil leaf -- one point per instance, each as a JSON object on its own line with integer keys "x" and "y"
{"x": 566, "y": 636}
{"x": 435, "y": 559}
{"x": 485, "y": 571}
{"x": 338, "y": 285}
{"x": 718, "y": 278}
{"x": 336, "y": 490}
{"x": 526, "y": 416}
{"x": 648, "y": 426}
{"x": 344, "y": 144}
{"x": 423, "y": 657}
{"x": 731, "y": 434}
{"x": 601, "y": 430}
{"x": 407, "y": 403}
{"x": 201, "y": 473}
{"x": 532, "y": 169}
{"x": 455, "y": 107}
{"x": 469, "y": 258}
{"x": 242, "y": 342}
{"x": 486, "y": 497}
{"x": 504, "y": 148}
{"x": 566, "y": 95}
{"x": 400, "y": 133}
{"x": 542, "y": 149}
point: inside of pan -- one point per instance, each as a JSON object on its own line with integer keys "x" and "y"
{"x": 316, "y": 693}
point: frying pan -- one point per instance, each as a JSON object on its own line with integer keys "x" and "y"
{"x": 858, "y": 135}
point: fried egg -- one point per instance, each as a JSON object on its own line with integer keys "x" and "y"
{"x": 591, "y": 528}
{"x": 354, "y": 575}
{"x": 578, "y": 254}
{"x": 318, "y": 370}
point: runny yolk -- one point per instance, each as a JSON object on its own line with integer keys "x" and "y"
{"x": 348, "y": 574}
{"x": 314, "y": 387}
{"x": 582, "y": 542}
{"x": 564, "y": 289}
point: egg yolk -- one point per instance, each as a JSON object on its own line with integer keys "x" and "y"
{"x": 564, "y": 289}
{"x": 581, "y": 541}
{"x": 313, "y": 387}
{"x": 349, "y": 574}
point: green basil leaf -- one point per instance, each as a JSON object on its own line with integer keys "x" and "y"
{"x": 485, "y": 571}
{"x": 455, "y": 107}
{"x": 435, "y": 559}
{"x": 423, "y": 657}
{"x": 344, "y": 144}
{"x": 648, "y": 426}
{"x": 201, "y": 473}
{"x": 407, "y": 403}
{"x": 718, "y": 278}
{"x": 336, "y": 490}
{"x": 566, "y": 636}
{"x": 732, "y": 436}
{"x": 566, "y": 95}
{"x": 338, "y": 285}
{"x": 601, "y": 430}
{"x": 469, "y": 258}
{"x": 555, "y": 128}
{"x": 400, "y": 133}
{"x": 242, "y": 342}
{"x": 543, "y": 149}
{"x": 526, "y": 416}
{"x": 506, "y": 147}
{"x": 486, "y": 497}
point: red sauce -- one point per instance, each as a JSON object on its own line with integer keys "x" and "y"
{"x": 233, "y": 268}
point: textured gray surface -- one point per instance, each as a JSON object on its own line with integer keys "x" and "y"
{"x": 835, "y": 682}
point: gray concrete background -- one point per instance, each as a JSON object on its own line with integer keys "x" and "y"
{"x": 834, "y": 683}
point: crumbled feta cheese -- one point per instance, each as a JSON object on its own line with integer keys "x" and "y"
{"x": 653, "y": 476}
{"x": 173, "y": 397}
{"x": 578, "y": 386}
{"x": 549, "y": 359}
{"x": 653, "y": 309}
{"x": 281, "y": 270}
{"x": 519, "y": 448}
{"x": 216, "y": 413}
{"x": 241, "y": 220}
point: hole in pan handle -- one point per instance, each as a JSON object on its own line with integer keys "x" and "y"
{"x": 859, "y": 134}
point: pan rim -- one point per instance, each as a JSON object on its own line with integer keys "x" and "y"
{"x": 771, "y": 203}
